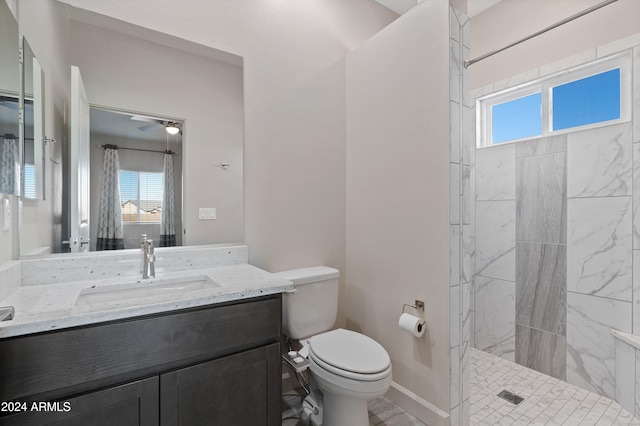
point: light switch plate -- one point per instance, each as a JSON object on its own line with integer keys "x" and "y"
{"x": 207, "y": 213}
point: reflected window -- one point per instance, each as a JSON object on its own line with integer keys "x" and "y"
{"x": 141, "y": 196}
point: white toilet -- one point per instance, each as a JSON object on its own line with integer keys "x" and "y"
{"x": 349, "y": 368}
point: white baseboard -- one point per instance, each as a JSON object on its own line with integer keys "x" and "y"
{"x": 420, "y": 408}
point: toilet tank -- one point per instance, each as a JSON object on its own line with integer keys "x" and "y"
{"x": 313, "y": 306}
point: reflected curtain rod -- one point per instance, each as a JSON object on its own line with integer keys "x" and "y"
{"x": 467, "y": 64}
{"x": 137, "y": 149}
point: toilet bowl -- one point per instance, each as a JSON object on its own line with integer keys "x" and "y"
{"x": 348, "y": 368}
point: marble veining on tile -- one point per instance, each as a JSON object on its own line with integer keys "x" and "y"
{"x": 542, "y": 351}
{"x": 454, "y": 71}
{"x": 541, "y": 295}
{"x": 600, "y": 162}
{"x": 495, "y": 317}
{"x": 468, "y": 251}
{"x": 454, "y": 316}
{"x": 599, "y": 249}
{"x": 454, "y": 132}
{"x": 468, "y": 130}
{"x": 541, "y": 203}
{"x": 454, "y": 193}
{"x": 496, "y": 173}
{"x": 496, "y": 239}
{"x": 636, "y": 195}
{"x": 590, "y": 344}
{"x": 454, "y": 376}
{"x": 454, "y": 255}
{"x": 636, "y": 292}
{"x": 468, "y": 203}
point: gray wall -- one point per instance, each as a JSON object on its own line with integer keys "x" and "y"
{"x": 554, "y": 250}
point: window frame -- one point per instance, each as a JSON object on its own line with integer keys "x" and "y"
{"x": 138, "y": 221}
{"x": 545, "y": 85}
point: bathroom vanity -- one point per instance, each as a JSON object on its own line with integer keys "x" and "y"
{"x": 205, "y": 357}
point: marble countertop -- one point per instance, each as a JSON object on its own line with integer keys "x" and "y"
{"x": 40, "y": 308}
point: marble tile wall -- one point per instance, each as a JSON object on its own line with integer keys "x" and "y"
{"x": 541, "y": 303}
{"x": 462, "y": 217}
{"x": 575, "y": 241}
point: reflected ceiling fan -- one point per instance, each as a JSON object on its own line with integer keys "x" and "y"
{"x": 171, "y": 127}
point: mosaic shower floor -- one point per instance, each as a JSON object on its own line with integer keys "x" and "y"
{"x": 548, "y": 401}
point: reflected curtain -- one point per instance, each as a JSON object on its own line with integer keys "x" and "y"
{"x": 167, "y": 223}
{"x": 9, "y": 166}
{"x": 110, "y": 232}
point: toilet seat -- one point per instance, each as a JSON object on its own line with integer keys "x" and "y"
{"x": 350, "y": 354}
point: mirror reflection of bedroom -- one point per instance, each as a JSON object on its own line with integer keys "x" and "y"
{"x": 136, "y": 166}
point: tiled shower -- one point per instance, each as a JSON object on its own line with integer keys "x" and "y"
{"x": 556, "y": 229}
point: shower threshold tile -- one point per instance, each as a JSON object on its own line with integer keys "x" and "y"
{"x": 548, "y": 401}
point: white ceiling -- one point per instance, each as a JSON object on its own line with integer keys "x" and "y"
{"x": 120, "y": 124}
{"x": 474, "y": 7}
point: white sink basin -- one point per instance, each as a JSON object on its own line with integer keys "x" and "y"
{"x": 142, "y": 289}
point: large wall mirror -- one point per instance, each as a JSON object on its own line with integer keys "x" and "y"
{"x": 32, "y": 140}
{"x": 138, "y": 82}
{"x": 9, "y": 103}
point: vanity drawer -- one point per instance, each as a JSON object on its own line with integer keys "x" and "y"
{"x": 78, "y": 359}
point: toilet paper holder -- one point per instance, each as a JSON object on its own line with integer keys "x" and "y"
{"x": 418, "y": 306}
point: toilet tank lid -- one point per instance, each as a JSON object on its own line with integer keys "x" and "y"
{"x": 309, "y": 275}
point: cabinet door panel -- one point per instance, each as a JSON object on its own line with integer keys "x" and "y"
{"x": 131, "y": 404}
{"x": 241, "y": 389}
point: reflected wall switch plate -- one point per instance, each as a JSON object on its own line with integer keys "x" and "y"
{"x": 208, "y": 213}
{"x": 6, "y": 207}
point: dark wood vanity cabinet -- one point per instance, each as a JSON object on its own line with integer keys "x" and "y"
{"x": 213, "y": 365}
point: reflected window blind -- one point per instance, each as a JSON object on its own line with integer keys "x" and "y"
{"x": 141, "y": 196}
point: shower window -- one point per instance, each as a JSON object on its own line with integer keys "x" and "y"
{"x": 141, "y": 196}
{"x": 592, "y": 95}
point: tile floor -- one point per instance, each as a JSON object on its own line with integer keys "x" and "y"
{"x": 548, "y": 401}
{"x": 382, "y": 412}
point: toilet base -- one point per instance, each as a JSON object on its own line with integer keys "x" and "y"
{"x": 339, "y": 410}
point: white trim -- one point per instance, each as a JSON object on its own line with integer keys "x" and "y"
{"x": 420, "y": 408}
{"x": 545, "y": 85}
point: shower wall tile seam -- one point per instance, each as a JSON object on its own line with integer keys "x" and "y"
{"x": 546, "y": 154}
{"x": 599, "y": 197}
{"x": 599, "y": 297}
{"x": 540, "y": 242}
{"x": 539, "y": 329}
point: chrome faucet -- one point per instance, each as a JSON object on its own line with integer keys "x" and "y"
{"x": 148, "y": 258}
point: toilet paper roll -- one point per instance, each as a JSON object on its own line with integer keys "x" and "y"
{"x": 412, "y": 324}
